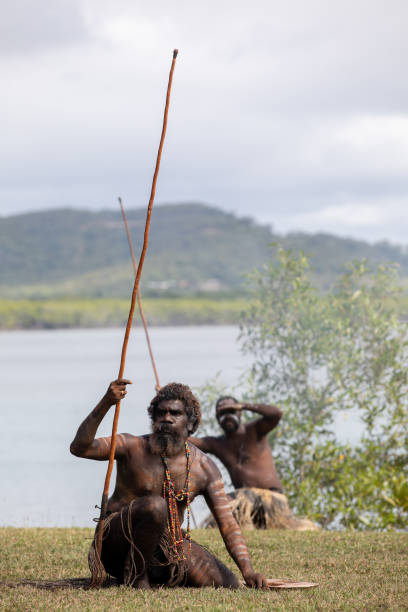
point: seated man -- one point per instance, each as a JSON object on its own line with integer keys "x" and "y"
{"x": 158, "y": 475}
{"x": 245, "y": 451}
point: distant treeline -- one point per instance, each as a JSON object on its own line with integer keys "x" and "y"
{"x": 193, "y": 249}
{"x": 105, "y": 312}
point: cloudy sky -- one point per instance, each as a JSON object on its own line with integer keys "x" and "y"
{"x": 293, "y": 111}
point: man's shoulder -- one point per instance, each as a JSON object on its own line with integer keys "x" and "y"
{"x": 133, "y": 442}
{"x": 198, "y": 454}
{"x": 203, "y": 462}
{"x": 129, "y": 437}
{"x": 252, "y": 427}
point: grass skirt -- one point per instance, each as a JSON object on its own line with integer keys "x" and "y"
{"x": 263, "y": 509}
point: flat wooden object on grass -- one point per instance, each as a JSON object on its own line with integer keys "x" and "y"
{"x": 275, "y": 583}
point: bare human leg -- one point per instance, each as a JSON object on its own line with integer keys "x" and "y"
{"x": 204, "y": 569}
{"x": 131, "y": 540}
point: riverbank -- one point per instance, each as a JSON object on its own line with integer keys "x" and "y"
{"x": 67, "y": 313}
{"x": 358, "y": 571}
{"x": 76, "y": 313}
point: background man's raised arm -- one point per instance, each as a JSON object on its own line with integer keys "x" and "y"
{"x": 85, "y": 444}
{"x": 270, "y": 417}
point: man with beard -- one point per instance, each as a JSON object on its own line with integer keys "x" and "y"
{"x": 244, "y": 448}
{"x": 158, "y": 475}
{"x": 258, "y": 500}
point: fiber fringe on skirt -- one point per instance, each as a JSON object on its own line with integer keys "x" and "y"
{"x": 163, "y": 557}
{"x": 262, "y": 509}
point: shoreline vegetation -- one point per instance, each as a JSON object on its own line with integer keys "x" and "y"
{"x": 355, "y": 571}
{"x": 65, "y": 313}
{"x": 90, "y": 312}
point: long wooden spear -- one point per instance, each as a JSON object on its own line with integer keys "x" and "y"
{"x": 142, "y": 315}
{"x": 97, "y": 580}
{"x": 139, "y": 297}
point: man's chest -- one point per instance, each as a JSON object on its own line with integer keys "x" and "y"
{"x": 240, "y": 451}
{"x": 148, "y": 475}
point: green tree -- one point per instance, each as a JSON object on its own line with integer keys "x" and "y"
{"x": 316, "y": 355}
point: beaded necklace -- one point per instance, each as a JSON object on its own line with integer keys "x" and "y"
{"x": 170, "y": 495}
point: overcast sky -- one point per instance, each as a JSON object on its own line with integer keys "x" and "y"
{"x": 294, "y": 112}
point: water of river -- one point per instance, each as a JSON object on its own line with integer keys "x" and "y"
{"x": 50, "y": 380}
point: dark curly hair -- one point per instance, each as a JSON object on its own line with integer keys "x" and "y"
{"x": 177, "y": 391}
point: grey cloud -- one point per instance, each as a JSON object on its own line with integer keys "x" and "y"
{"x": 28, "y": 26}
{"x": 266, "y": 105}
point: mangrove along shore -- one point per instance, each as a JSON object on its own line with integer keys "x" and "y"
{"x": 67, "y": 313}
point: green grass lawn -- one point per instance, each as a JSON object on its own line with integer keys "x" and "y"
{"x": 355, "y": 571}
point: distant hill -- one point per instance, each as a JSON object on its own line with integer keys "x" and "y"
{"x": 193, "y": 248}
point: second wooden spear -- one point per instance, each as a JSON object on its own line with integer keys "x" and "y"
{"x": 139, "y": 297}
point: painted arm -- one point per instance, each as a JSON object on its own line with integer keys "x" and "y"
{"x": 231, "y": 533}
{"x": 85, "y": 444}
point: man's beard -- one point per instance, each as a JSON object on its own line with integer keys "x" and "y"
{"x": 165, "y": 441}
{"x": 229, "y": 422}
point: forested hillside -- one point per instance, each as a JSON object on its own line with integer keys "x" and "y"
{"x": 193, "y": 248}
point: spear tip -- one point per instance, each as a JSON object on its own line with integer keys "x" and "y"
{"x": 175, "y": 52}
